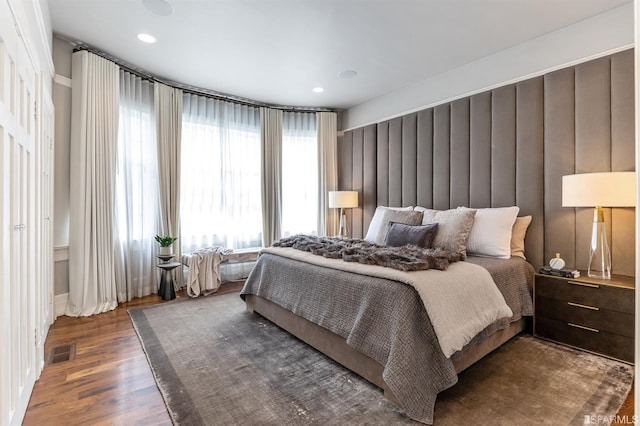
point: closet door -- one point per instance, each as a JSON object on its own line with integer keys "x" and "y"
{"x": 44, "y": 238}
{"x": 18, "y": 331}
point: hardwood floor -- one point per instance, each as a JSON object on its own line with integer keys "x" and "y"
{"x": 625, "y": 415}
{"x": 109, "y": 382}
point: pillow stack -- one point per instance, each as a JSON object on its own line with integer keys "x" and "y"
{"x": 489, "y": 232}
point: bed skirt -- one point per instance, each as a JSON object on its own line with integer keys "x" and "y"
{"x": 336, "y": 347}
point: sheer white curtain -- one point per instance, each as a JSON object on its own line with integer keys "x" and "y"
{"x": 299, "y": 173}
{"x": 94, "y": 266}
{"x": 137, "y": 187}
{"x": 220, "y": 201}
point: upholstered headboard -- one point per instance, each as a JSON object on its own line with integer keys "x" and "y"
{"x": 507, "y": 146}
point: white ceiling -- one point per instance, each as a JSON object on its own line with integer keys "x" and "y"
{"x": 276, "y": 51}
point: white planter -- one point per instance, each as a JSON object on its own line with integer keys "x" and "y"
{"x": 165, "y": 251}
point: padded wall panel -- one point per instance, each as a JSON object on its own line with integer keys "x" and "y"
{"x": 345, "y": 165}
{"x": 395, "y": 162}
{"x": 368, "y": 200}
{"x": 503, "y": 147}
{"x": 441, "y": 156}
{"x": 409, "y": 157}
{"x": 559, "y": 160}
{"x": 460, "y": 161}
{"x": 593, "y": 116}
{"x": 382, "y": 166}
{"x": 622, "y": 159}
{"x": 480, "y": 151}
{"x": 623, "y": 253}
{"x": 530, "y": 161}
{"x": 345, "y": 161}
{"x": 593, "y": 141}
{"x": 424, "y": 154}
{"x": 356, "y": 180}
{"x": 521, "y": 140}
{"x": 622, "y": 124}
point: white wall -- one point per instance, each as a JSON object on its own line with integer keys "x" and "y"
{"x": 606, "y": 33}
{"x": 62, "y": 100}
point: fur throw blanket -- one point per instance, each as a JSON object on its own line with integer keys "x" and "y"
{"x": 405, "y": 258}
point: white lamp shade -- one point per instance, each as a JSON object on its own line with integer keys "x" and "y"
{"x": 615, "y": 189}
{"x": 343, "y": 199}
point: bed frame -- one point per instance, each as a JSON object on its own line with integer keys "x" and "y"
{"x": 336, "y": 348}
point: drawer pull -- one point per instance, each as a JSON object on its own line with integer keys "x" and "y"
{"x": 583, "y": 327}
{"x": 578, "y": 305}
{"x": 585, "y": 284}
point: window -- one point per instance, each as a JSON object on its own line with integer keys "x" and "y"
{"x": 137, "y": 185}
{"x": 220, "y": 195}
{"x": 299, "y": 174}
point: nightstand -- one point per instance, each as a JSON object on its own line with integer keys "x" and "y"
{"x": 587, "y": 313}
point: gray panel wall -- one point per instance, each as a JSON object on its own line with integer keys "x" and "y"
{"x": 508, "y": 146}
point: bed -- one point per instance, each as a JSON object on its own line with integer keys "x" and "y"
{"x": 377, "y": 325}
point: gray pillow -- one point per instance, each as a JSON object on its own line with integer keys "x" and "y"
{"x": 381, "y": 218}
{"x": 454, "y": 227}
{"x": 400, "y": 234}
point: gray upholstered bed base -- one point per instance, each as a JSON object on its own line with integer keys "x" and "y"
{"x": 336, "y": 347}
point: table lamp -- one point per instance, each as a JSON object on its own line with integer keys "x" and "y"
{"x": 598, "y": 190}
{"x": 343, "y": 200}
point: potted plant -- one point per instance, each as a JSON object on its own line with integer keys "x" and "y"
{"x": 166, "y": 244}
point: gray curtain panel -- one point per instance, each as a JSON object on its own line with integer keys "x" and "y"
{"x": 271, "y": 134}
{"x": 168, "y": 112}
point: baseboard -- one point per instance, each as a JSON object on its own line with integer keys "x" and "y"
{"x": 60, "y": 304}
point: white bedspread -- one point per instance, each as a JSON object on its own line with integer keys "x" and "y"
{"x": 461, "y": 301}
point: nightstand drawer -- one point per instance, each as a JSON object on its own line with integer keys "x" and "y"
{"x": 586, "y": 315}
{"x": 613, "y": 345}
{"x": 601, "y": 296}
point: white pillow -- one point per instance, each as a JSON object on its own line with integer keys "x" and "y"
{"x": 491, "y": 232}
{"x": 383, "y": 215}
{"x": 518, "y": 233}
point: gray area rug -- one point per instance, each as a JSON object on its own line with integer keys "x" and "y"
{"x": 217, "y": 364}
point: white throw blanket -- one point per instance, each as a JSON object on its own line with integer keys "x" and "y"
{"x": 204, "y": 271}
{"x": 461, "y": 301}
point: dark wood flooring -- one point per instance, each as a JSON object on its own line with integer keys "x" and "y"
{"x": 107, "y": 380}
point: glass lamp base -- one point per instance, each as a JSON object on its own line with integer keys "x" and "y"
{"x": 342, "y": 233}
{"x": 599, "y": 253}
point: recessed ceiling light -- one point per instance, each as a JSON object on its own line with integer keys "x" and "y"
{"x": 347, "y": 74}
{"x": 147, "y": 38}
{"x": 158, "y": 7}
{"x": 317, "y": 90}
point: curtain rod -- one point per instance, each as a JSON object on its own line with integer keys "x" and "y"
{"x": 187, "y": 88}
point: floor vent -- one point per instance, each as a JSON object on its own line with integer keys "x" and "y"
{"x": 62, "y": 353}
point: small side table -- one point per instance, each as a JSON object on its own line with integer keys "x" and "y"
{"x": 166, "y": 290}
